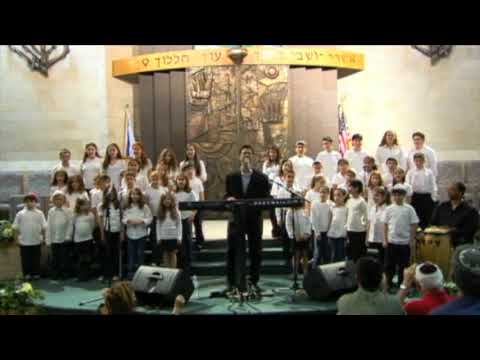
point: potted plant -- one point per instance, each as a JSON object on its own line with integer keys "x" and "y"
{"x": 6, "y": 234}
{"x": 17, "y": 298}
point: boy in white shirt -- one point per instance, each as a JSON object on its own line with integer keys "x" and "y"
{"x": 356, "y": 156}
{"x": 329, "y": 158}
{"x": 302, "y": 166}
{"x": 29, "y": 231}
{"x": 141, "y": 182}
{"x": 59, "y": 232}
{"x": 424, "y": 189}
{"x": 321, "y": 217}
{"x": 130, "y": 184}
{"x": 356, "y": 221}
{"x": 65, "y": 156}
{"x": 389, "y": 175}
{"x": 401, "y": 222}
{"x": 420, "y": 147}
{"x": 368, "y": 167}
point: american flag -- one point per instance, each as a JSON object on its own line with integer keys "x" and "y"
{"x": 343, "y": 134}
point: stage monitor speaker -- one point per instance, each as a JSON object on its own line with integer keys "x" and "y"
{"x": 330, "y": 281}
{"x": 161, "y": 286}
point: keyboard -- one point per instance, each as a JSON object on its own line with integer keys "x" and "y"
{"x": 223, "y": 205}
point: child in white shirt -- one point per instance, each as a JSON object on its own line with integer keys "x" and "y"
{"x": 111, "y": 234}
{"x": 399, "y": 177}
{"x": 340, "y": 177}
{"x": 29, "y": 231}
{"x": 337, "y": 233}
{"x": 314, "y": 193}
{"x": 424, "y": 189}
{"x": 153, "y": 194}
{"x": 59, "y": 182}
{"x": 185, "y": 193}
{"x": 169, "y": 229}
{"x": 197, "y": 188}
{"x": 329, "y": 158}
{"x": 141, "y": 182}
{"x": 83, "y": 224}
{"x": 356, "y": 221}
{"x": 392, "y": 165}
{"x": 299, "y": 230}
{"x": 59, "y": 228}
{"x": 401, "y": 222}
{"x": 137, "y": 217}
{"x": 130, "y": 184}
{"x": 375, "y": 227}
{"x": 75, "y": 191}
{"x": 91, "y": 166}
{"x": 285, "y": 193}
{"x": 321, "y": 217}
{"x": 374, "y": 182}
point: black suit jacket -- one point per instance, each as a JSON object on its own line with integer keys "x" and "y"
{"x": 257, "y": 188}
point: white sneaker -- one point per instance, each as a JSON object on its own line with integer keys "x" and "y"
{"x": 115, "y": 278}
{"x": 100, "y": 278}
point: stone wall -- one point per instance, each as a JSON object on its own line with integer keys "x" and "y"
{"x": 399, "y": 89}
{"x": 79, "y": 102}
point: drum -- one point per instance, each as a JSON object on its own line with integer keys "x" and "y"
{"x": 436, "y": 246}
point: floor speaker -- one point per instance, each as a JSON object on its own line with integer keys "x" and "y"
{"x": 330, "y": 281}
{"x": 160, "y": 286}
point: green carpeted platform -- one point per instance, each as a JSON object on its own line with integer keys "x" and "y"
{"x": 63, "y": 297}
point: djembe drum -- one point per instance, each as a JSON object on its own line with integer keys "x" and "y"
{"x": 435, "y": 246}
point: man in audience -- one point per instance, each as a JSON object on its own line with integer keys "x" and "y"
{"x": 369, "y": 299}
{"x": 458, "y": 215}
{"x": 467, "y": 277}
{"x": 428, "y": 278}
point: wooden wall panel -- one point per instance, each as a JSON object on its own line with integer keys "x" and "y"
{"x": 178, "y": 112}
{"x": 163, "y": 132}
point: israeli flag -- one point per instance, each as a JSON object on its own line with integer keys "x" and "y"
{"x": 130, "y": 137}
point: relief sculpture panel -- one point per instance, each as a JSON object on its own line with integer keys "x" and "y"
{"x": 228, "y": 106}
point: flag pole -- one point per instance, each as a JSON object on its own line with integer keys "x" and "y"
{"x": 125, "y": 129}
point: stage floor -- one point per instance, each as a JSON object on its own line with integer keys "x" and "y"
{"x": 63, "y": 297}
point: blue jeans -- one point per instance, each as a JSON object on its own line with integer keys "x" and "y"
{"x": 338, "y": 248}
{"x": 322, "y": 252}
{"x": 136, "y": 254}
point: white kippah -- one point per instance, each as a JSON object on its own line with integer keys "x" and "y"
{"x": 429, "y": 281}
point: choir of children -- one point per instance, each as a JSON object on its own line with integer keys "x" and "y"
{"x": 108, "y": 201}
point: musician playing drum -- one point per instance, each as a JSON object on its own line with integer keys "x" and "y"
{"x": 457, "y": 215}
{"x": 247, "y": 183}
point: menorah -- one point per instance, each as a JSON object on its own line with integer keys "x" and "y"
{"x": 40, "y": 57}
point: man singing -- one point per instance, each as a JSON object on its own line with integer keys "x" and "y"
{"x": 247, "y": 183}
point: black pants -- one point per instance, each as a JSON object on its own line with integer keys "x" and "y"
{"x": 423, "y": 205}
{"x": 99, "y": 254}
{"x": 236, "y": 250}
{"x": 356, "y": 247}
{"x": 322, "y": 253}
{"x": 84, "y": 252}
{"x": 197, "y": 222}
{"x": 72, "y": 259}
{"x": 396, "y": 260}
{"x": 31, "y": 257}
{"x": 60, "y": 259}
{"x": 381, "y": 251}
{"x": 111, "y": 261}
{"x": 276, "y": 231}
{"x": 185, "y": 254}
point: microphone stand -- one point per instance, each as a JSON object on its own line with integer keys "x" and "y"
{"x": 295, "y": 286}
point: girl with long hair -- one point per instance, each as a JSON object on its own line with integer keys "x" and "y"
{"x": 167, "y": 156}
{"x": 169, "y": 229}
{"x": 75, "y": 190}
{"x": 91, "y": 166}
{"x": 114, "y": 165}
{"x": 191, "y": 155}
{"x": 389, "y": 148}
{"x": 144, "y": 162}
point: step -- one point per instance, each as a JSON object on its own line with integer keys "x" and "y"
{"x": 218, "y": 268}
{"x": 219, "y": 243}
{"x": 218, "y": 254}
